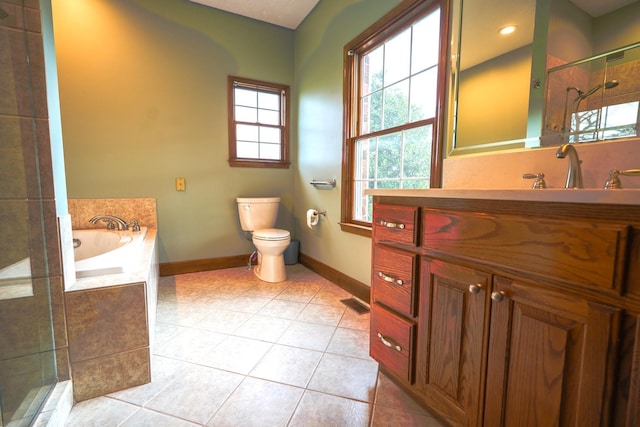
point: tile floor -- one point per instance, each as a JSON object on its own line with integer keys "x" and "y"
{"x": 231, "y": 350}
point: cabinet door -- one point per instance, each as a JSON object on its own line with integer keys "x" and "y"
{"x": 451, "y": 331}
{"x": 549, "y": 356}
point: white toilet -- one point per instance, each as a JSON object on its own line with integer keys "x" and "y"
{"x": 259, "y": 215}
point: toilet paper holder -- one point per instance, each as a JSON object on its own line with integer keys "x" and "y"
{"x": 320, "y": 212}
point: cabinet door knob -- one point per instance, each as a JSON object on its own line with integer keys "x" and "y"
{"x": 497, "y": 296}
{"x": 475, "y": 288}
{"x": 390, "y": 279}
{"x": 389, "y": 342}
{"x": 391, "y": 224}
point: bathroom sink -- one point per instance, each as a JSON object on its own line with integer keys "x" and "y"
{"x": 629, "y": 196}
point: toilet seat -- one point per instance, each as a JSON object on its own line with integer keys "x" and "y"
{"x": 271, "y": 234}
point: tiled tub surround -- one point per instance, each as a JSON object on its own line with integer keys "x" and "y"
{"x": 110, "y": 323}
{"x": 142, "y": 209}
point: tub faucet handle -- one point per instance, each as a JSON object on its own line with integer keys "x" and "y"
{"x": 111, "y": 222}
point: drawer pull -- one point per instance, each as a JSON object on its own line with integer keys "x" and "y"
{"x": 390, "y": 279}
{"x": 389, "y": 342}
{"x": 391, "y": 224}
{"x": 475, "y": 288}
{"x": 497, "y": 296}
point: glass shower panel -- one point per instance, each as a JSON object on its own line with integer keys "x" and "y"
{"x": 27, "y": 356}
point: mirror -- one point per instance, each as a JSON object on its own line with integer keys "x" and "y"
{"x": 499, "y": 82}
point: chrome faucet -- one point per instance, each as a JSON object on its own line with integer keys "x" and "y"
{"x": 574, "y": 173}
{"x": 111, "y": 222}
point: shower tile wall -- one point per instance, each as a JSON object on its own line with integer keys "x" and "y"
{"x": 28, "y": 221}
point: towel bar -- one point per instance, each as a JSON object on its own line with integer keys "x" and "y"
{"x": 317, "y": 183}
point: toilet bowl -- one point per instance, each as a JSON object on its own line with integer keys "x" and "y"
{"x": 258, "y": 216}
{"x": 271, "y": 244}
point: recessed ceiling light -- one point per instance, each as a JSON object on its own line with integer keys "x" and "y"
{"x": 507, "y": 30}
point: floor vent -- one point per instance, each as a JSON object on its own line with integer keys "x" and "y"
{"x": 355, "y": 305}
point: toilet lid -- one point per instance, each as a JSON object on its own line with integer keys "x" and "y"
{"x": 271, "y": 234}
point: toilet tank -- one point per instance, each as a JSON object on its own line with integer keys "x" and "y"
{"x": 258, "y": 213}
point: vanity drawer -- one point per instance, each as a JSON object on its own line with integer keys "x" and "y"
{"x": 393, "y": 281}
{"x": 397, "y": 224}
{"x": 583, "y": 253}
{"x": 392, "y": 341}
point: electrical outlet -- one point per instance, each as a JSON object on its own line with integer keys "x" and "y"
{"x": 180, "y": 184}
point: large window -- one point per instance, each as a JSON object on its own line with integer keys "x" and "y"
{"x": 392, "y": 99}
{"x": 258, "y": 123}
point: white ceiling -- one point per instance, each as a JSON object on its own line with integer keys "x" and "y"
{"x": 285, "y": 13}
{"x": 290, "y": 13}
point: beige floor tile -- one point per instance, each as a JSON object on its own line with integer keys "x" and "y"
{"x": 271, "y": 405}
{"x": 101, "y": 411}
{"x": 288, "y": 365}
{"x": 321, "y": 410}
{"x": 223, "y": 321}
{"x": 197, "y": 394}
{"x": 165, "y": 331}
{"x": 246, "y": 303}
{"x": 237, "y": 354}
{"x": 330, "y": 295}
{"x": 191, "y": 345}
{"x": 322, "y": 314}
{"x": 195, "y": 323}
{"x": 350, "y": 342}
{"x": 163, "y": 372}
{"x": 148, "y": 418}
{"x": 385, "y": 417}
{"x": 176, "y": 313}
{"x": 353, "y": 320}
{"x": 345, "y": 376}
{"x": 307, "y": 335}
{"x": 301, "y": 292}
{"x": 264, "y": 328}
{"x": 283, "y": 308}
{"x": 391, "y": 395}
{"x": 266, "y": 289}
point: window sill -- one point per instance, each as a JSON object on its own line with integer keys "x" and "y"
{"x": 252, "y": 163}
{"x": 360, "y": 230}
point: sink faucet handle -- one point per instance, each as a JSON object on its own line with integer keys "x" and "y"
{"x": 135, "y": 225}
{"x": 539, "y": 180}
{"x": 614, "y": 178}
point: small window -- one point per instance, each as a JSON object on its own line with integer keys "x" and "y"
{"x": 258, "y": 123}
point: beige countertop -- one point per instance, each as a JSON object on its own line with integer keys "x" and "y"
{"x": 598, "y": 196}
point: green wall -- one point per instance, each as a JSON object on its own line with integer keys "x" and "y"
{"x": 319, "y": 44}
{"x": 143, "y": 98}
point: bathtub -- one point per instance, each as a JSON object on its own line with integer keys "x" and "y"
{"x": 102, "y": 252}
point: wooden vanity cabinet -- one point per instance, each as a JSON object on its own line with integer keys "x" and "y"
{"x": 511, "y": 319}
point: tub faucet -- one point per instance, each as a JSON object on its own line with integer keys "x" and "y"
{"x": 111, "y": 222}
{"x": 574, "y": 173}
